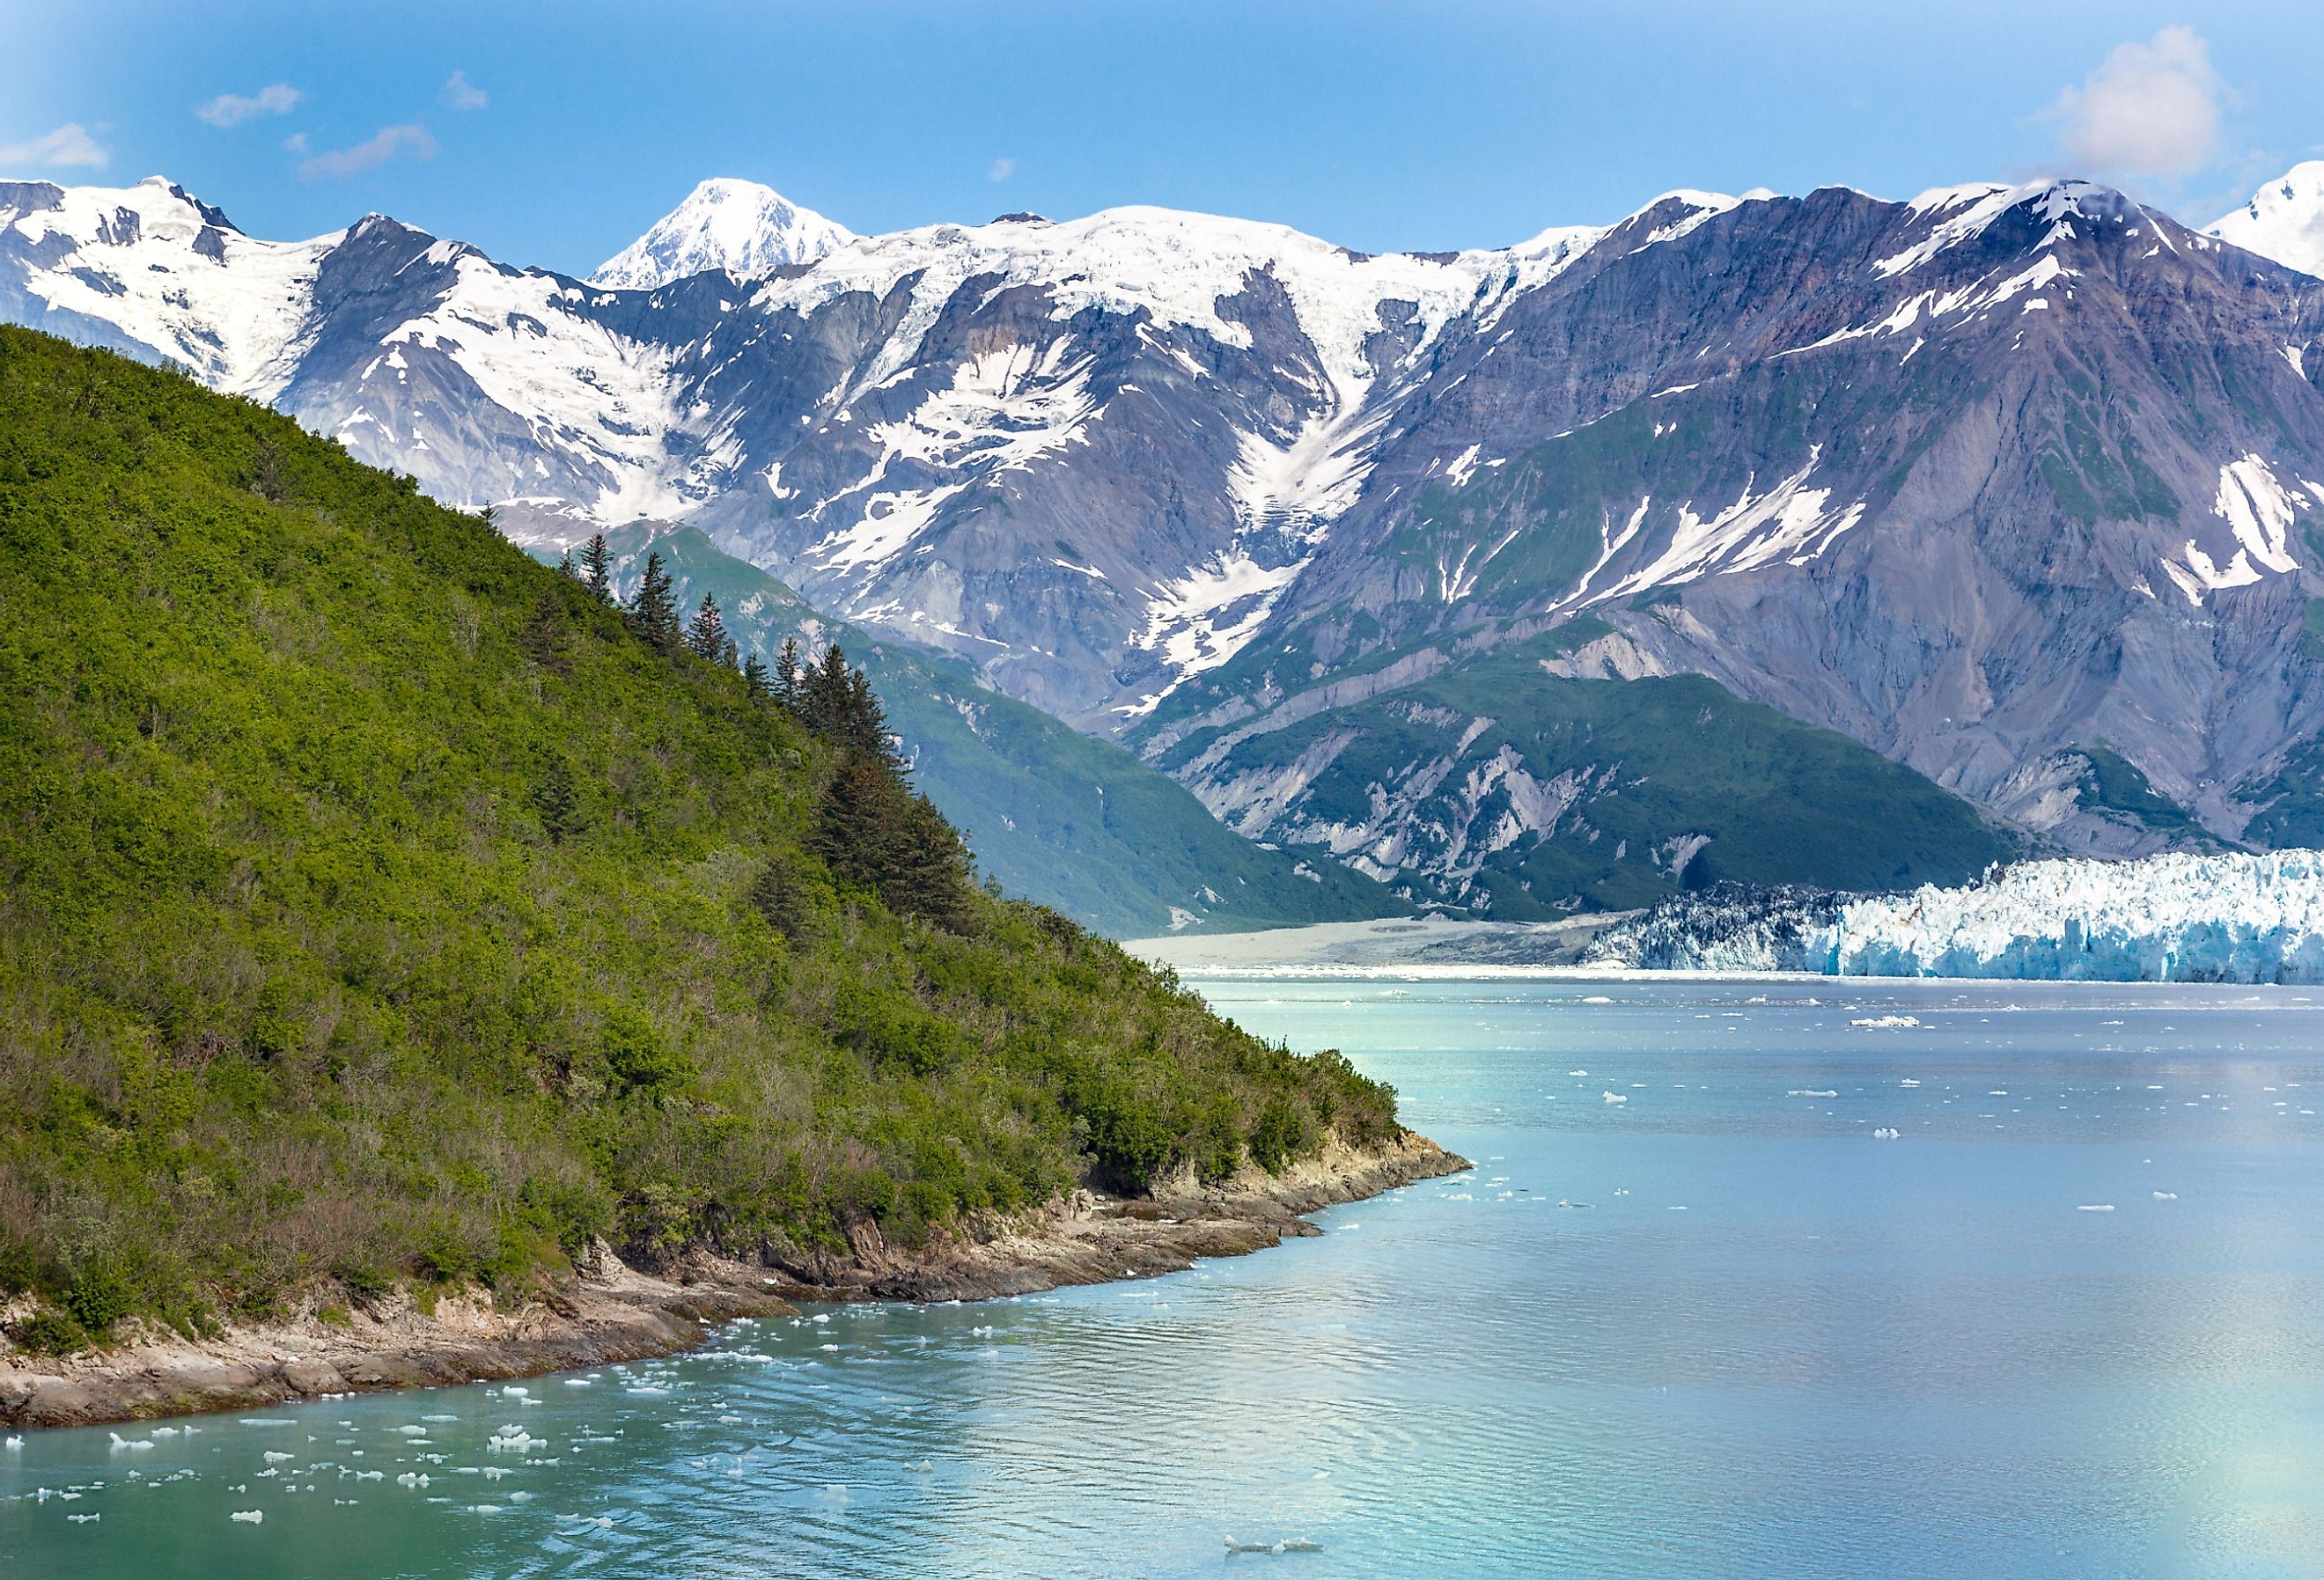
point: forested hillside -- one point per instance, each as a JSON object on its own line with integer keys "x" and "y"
{"x": 377, "y": 903}
{"x": 1077, "y": 822}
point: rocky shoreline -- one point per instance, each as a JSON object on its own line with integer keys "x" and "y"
{"x": 612, "y": 1312}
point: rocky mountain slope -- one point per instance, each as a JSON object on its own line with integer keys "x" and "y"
{"x": 2014, "y": 485}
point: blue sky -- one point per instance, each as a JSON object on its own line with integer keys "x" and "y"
{"x": 569, "y": 127}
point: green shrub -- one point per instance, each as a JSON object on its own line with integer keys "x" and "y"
{"x": 50, "y": 1333}
{"x": 100, "y": 1295}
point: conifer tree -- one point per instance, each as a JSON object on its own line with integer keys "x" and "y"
{"x": 786, "y": 675}
{"x": 654, "y": 611}
{"x": 856, "y": 821}
{"x": 706, "y": 636}
{"x": 544, "y": 634}
{"x": 565, "y": 568}
{"x": 779, "y": 896}
{"x": 824, "y": 696}
{"x": 597, "y": 569}
{"x": 558, "y": 803}
{"x": 268, "y": 477}
{"x": 754, "y": 677}
{"x": 927, "y": 869}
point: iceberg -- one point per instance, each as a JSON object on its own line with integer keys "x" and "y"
{"x": 2173, "y": 917}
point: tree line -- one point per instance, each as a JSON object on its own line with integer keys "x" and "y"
{"x": 871, "y": 828}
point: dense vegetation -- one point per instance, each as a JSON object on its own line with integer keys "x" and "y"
{"x": 379, "y": 904}
{"x": 1079, "y": 823}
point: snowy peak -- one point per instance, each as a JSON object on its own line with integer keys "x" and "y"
{"x": 2283, "y": 221}
{"x": 740, "y": 227}
{"x": 152, "y": 269}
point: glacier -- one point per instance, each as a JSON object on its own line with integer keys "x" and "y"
{"x": 2230, "y": 917}
{"x": 2284, "y": 220}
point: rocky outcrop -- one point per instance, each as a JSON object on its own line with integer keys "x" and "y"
{"x": 610, "y": 1312}
{"x": 1095, "y": 1238}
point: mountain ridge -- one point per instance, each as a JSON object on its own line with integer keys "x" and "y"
{"x": 1857, "y": 460}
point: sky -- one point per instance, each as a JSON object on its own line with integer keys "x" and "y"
{"x": 552, "y": 134}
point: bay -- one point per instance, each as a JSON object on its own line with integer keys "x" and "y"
{"x": 1693, "y": 1313}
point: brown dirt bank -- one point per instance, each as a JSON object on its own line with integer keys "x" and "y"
{"x": 614, "y": 1313}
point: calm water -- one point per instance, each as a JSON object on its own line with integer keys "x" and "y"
{"x": 1717, "y": 1328}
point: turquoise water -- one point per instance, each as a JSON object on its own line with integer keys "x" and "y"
{"x": 1717, "y": 1328}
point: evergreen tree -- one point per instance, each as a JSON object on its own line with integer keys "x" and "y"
{"x": 863, "y": 723}
{"x": 927, "y": 871}
{"x": 731, "y": 655}
{"x": 558, "y": 803}
{"x": 824, "y": 693}
{"x": 754, "y": 677}
{"x": 706, "y": 638}
{"x": 786, "y": 675}
{"x": 780, "y": 897}
{"x": 565, "y": 568}
{"x": 654, "y": 611}
{"x": 857, "y": 821}
{"x": 268, "y": 477}
{"x": 544, "y": 634}
{"x": 597, "y": 569}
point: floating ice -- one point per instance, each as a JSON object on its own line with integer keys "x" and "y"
{"x": 248, "y": 1516}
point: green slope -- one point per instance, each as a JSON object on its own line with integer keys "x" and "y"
{"x": 1053, "y": 814}
{"x": 1669, "y": 783}
{"x": 377, "y": 905}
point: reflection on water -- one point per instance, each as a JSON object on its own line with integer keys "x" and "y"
{"x": 1694, "y": 1313}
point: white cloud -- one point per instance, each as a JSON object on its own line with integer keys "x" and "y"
{"x": 1002, "y": 169}
{"x": 371, "y": 153}
{"x": 2151, "y": 109}
{"x": 460, "y": 94}
{"x": 232, "y": 109}
{"x": 69, "y": 144}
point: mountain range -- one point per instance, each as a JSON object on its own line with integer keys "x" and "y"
{"x": 1409, "y": 561}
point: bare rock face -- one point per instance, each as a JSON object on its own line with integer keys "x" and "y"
{"x": 1980, "y": 479}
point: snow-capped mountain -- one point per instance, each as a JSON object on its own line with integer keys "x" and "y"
{"x": 151, "y": 270}
{"x": 2284, "y": 220}
{"x": 741, "y": 227}
{"x": 2014, "y": 484}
